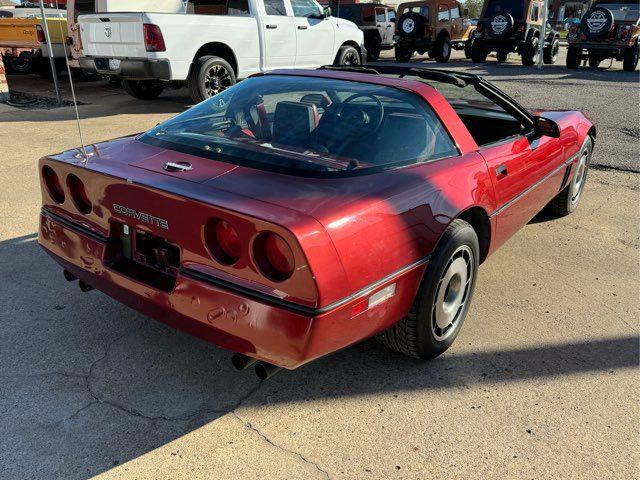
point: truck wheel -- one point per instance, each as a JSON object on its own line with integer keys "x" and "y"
{"x": 443, "y": 299}
{"x": 478, "y": 52}
{"x": 348, "y": 55}
{"x": 143, "y": 89}
{"x": 529, "y": 52}
{"x": 567, "y": 200}
{"x": 630, "y": 61}
{"x": 550, "y": 53}
{"x": 403, "y": 55}
{"x": 502, "y": 56}
{"x": 573, "y": 57}
{"x": 594, "y": 60}
{"x": 373, "y": 49}
{"x": 468, "y": 48}
{"x": 20, "y": 65}
{"x": 209, "y": 76}
{"x": 442, "y": 52}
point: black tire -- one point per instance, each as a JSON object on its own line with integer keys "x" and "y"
{"x": 528, "y": 53}
{"x": 479, "y": 52}
{"x": 502, "y": 56}
{"x": 442, "y": 51}
{"x": 403, "y": 55}
{"x": 143, "y": 89}
{"x": 373, "y": 49}
{"x": 18, "y": 65}
{"x": 550, "y": 53}
{"x": 594, "y": 60}
{"x": 630, "y": 60}
{"x": 415, "y": 335}
{"x": 567, "y": 200}
{"x": 411, "y": 25}
{"x": 348, "y": 55}
{"x": 468, "y": 48}
{"x": 81, "y": 76}
{"x": 209, "y": 76}
{"x": 574, "y": 55}
{"x": 596, "y": 23}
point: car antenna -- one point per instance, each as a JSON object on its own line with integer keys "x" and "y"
{"x": 85, "y": 156}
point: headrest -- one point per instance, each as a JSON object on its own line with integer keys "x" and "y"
{"x": 293, "y": 123}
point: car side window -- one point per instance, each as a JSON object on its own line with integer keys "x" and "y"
{"x": 275, "y": 7}
{"x": 391, "y": 16}
{"x": 455, "y": 12}
{"x": 238, "y": 7}
{"x": 367, "y": 14}
{"x": 380, "y": 16}
{"x": 305, "y": 8}
{"x": 535, "y": 11}
{"x": 443, "y": 12}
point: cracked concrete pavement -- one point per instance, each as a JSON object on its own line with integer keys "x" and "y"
{"x": 542, "y": 382}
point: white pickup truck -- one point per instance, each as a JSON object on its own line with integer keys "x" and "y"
{"x": 212, "y": 43}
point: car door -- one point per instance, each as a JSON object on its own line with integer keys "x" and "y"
{"x": 382, "y": 24}
{"x": 456, "y": 21}
{"x": 279, "y": 35}
{"x": 314, "y": 34}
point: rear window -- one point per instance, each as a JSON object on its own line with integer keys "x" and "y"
{"x": 308, "y": 126}
{"x": 513, "y": 7}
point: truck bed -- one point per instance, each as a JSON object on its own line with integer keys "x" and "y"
{"x": 21, "y": 32}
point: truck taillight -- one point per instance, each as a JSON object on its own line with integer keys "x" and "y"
{"x": 428, "y": 31}
{"x": 521, "y": 27}
{"x": 40, "y": 33}
{"x": 153, "y": 39}
{"x": 624, "y": 33}
{"x": 573, "y": 29}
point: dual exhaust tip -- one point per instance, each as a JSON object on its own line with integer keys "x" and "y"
{"x": 263, "y": 370}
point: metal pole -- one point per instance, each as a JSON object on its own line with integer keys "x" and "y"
{"x": 52, "y": 62}
{"x": 543, "y": 33}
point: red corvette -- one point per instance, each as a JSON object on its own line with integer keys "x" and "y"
{"x": 299, "y": 212}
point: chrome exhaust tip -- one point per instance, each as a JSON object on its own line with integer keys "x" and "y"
{"x": 84, "y": 286}
{"x": 242, "y": 362}
{"x": 68, "y": 276}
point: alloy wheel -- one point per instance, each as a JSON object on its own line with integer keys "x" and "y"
{"x": 580, "y": 177}
{"x": 216, "y": 80}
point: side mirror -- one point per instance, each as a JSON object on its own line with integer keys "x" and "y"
{"x": 545, "y": 127}
{"x": 326, "y": 12}
{"x": 465, "y": 12}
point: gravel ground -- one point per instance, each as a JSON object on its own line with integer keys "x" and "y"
{"x": 542, "y": 382}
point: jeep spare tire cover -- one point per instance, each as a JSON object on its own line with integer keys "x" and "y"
{"x": 500, "y": 25}
{"x": 411, "y": 24}
{"x": 597, "y": 22}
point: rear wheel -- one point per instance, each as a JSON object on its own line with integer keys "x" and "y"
{"x": 442, "y": 51}
{"x": 630, "y": 60}
{"x": 403, "y": 54}
{"x": 573, "y": 57}
{"x": 468, "y": 48}
{"x": 594, "y": 60}
{"x": 348, "y": 55}
{"x": 502, "y": 56}
{"x": 21, "y": 65}
{"x": 209, "y": 76}
{"x": 143, "y": 89}
{"x": 567, "y": 200}
{"x": 550, "y": 53}
{"x": 443, "y": 299}
{"x": 529, "y": 52}
{"x": 478, "y": 52}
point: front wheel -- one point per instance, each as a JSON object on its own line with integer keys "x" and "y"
{"x": 502, "y": 56}
{"x": 573, "y": 57}
{"x": 143, "y": 89}
{"x": 373, "y": 50}
{"x": 209, "y": 76}
{"x": 443, "y": 299}
{"x": 442, "y": 52}
{"x": 630, "y": 60}
{"x": 348, "y": 56}
{"x": 403, "y": 55}
{"x": 567, "y": 200}
{"x": 479, "y": 52}
{"x": 529, "y": 52}
{"x": 550, "y": 53}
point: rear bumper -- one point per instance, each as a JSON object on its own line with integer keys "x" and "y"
{"x": 420, "y": 44}
{"x": 613, "y": 49}
{"x": 141, "y": 69}
{"x": 229, "y": 318}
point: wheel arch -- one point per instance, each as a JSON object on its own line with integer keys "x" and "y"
{"x": 592, "y": 134}
{"x": 443, "y": 33}
{"x": 478, "y": 218}
{"x": 218, "y": 49}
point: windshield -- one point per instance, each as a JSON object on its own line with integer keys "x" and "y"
{"x": 623, "y": 11}
{"x": 513, "y": 7}
{"x": 308, "y": 126}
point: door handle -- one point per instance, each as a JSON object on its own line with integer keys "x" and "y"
{"x": 302, "y": 27}
{"x": 501, "y": 171}
{"x": 272, "y": 26}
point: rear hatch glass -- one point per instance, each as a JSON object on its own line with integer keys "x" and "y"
{"x": 513, "y": 7}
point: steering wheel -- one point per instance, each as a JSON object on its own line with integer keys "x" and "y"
{"x": 363, "y": 123}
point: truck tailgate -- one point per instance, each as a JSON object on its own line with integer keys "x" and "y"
{"x": 18, "y": 32}
{"x": 113, "y": 35}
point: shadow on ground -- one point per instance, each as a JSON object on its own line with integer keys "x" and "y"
{"x": 89, "y": 384}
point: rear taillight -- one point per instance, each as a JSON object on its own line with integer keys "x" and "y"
{"x": 479, "y": 27}
{"x": 52, "y": 182}
{"x": 273, "y": 256}
{"x": 153, "y": 39}
{"x": 223, "y": 241}
{"x": 573, "y": 29}
{"x": 79, "y": 194}
{"x": 521, "y": 28}
{"x": 428, "y": 31}
{"x": 40, "y": 33}
{"x": 624, "y": 33}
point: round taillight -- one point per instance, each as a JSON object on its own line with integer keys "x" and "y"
{"x": 79, "y": 194}
{"x": 274, "y": 257}
{"x": 222, "y": 241}
{"x": 52, "y": 182}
